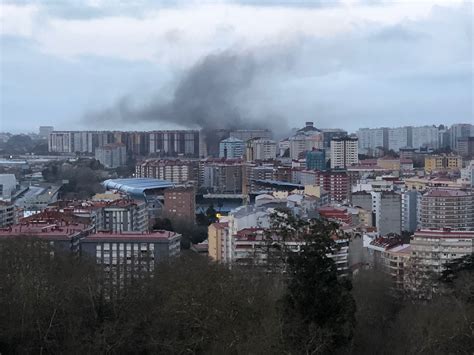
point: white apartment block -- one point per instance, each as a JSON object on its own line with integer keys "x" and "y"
{"x": 372, "y": 138}
{"x": 399, "y": 137}
{"x": 459, "y": 130}
{"x": 261, "y": 149}
{"x": 425, "y": 137}
{"x": 60, "y": 142}
{"x": 231, "y": 148}
{"x": 344, "y": 152}
{"x": 112, "y": 155}
{"x": 302, "y": 142}
{"x": 431, "y": 249}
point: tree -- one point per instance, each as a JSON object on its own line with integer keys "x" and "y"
{"x": 19, "y": 144}
{"x": 207, "y": 218}
{"x": 163, "y": 223}
{"x": 318, "y": 308}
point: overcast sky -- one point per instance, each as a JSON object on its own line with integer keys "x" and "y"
{"x": 347, "y": 64}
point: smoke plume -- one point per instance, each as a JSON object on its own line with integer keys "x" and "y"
{"x": 209, "y": 96}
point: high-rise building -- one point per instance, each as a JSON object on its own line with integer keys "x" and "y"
{"x": 457, "y": 131}
{"x": 447, "y": 208}
{"x": 425, "y": 137}
{"x": 305, "y": 139}
{"x": 180, "y": 204}
{"x": 329, "y": 134}
{"x": 112, "y": 155}
{"x": 222, "y": 177}
{"x": 410, "y": 210}
{"x": 399, "y": 137}
{"x": 60, "y": 142}
{"x": 344, "y": 152}
{"x": 372, "y": 138}
{"x": 174, "y": 143}
{"x": 261, "y": 149}
{"x": 466, "y": 146}
{"x": 336, "y": 183}
{"x": 231, "y": 148}
{"x": 387, "y": 208}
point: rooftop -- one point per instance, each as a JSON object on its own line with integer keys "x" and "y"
{"x": 446, "y": 193}
{"x": 160, "y": 235}
{"x": 443, "y": 233}
{"x": 136, "y": 186}
{"x": 44, "y": 230}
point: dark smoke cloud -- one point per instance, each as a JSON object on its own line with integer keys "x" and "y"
{"x": 209, "y": 96}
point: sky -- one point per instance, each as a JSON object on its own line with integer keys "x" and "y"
{"x": 274, "y": 64}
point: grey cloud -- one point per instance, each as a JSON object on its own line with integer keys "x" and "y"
{"x": 77, "y": 10}
{"x": 378, "y": 73}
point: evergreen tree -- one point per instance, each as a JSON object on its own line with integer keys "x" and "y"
{"x": 318, "y": 308}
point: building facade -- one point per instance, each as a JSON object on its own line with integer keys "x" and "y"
{"x": 316, "y": 159}
{"x": 112, "y": 155}
{"x": 432, "y": 249}
{"x": 447, "y": 208}
{"x": 175, "y": 170}
{"x": 124, "y": 216}
{"x": 344, "y": 152}
{"x": 261, "y": 149}
{"x": 231, "y": 148}
{"x": 180, "y": 204}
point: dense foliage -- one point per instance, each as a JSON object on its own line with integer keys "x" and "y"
{"x": 56, "y": 305}
{"x": 81, "y": 178}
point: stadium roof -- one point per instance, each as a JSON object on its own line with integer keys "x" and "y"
{"x": 136, "y": 186}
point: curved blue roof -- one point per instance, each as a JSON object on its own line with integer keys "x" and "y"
{"x": 136, "y": 186}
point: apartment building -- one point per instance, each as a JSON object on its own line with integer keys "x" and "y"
{"x": 425, "y": 137}
{"x": 180, "y": 204}
{"x": 387, "y": 209}
{"x": 410, "y": 210}
{"x": 457, "y": 131}
{"x": 442, "y": 162}
{"x": 7, "y": 214}
{"x": 372, "y": 138}
{"x": 124, "y": 216}
{"x": 261, "y": 149}
{"x": 177, "y": 171}
{"x": 174, "y": 143}
{"x": 128, "y": 254}
{"x": 217, "y": 237}
{"x": 231, "y": 148}
{"x": 316, "y": 159}
{"x": 221, "y": 177}
{"x": 432, "y": 249}
{"x": 447, "y": 208}
{"x": 344, "y": 152}
{"x": 112, "y": 155}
